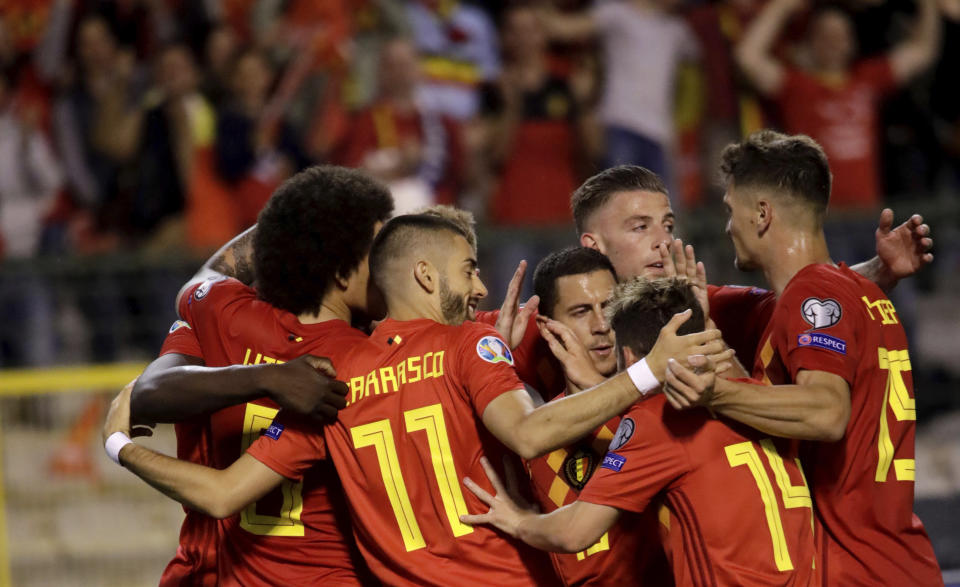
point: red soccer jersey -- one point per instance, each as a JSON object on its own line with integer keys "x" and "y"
{"x": 741, "y": 314}
{"x": 195, "y": 562}
{"x": 297, "y": 534}
{"x": 411, "y": 432}
{"x": 844, "y": 118}
{"x": 625, "y": 555}
{"x": 535, "y": 364}
{"x": 834, "y": 320}
{"x": 739, "y": 507}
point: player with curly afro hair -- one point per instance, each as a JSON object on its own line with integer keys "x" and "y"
{"x": 317, "y": 227}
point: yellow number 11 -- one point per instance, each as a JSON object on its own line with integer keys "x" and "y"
{"x": 379, "y": 435}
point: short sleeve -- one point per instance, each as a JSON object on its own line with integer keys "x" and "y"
{"x": 815, "y": 327}
{"x": 290, "y": 446}
{"x": 642, "y": 460}
{"x": 182, "y": 340}
{"x": 484, "y": 365}
{"x": 207, "y": 299}
{"x": 742, "y": 314}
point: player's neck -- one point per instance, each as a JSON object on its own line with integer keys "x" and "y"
{"x": 402, "y": 309}
{"x": 332, "y": 308}
{"x": 790, "y": 252}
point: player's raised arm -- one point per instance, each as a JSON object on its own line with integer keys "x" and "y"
{"x": 901, "y": 251}
{"x": 234, "y": 259}
{"x": 214, "y": 492}
{"x": 572, "y": 528}
{"x": 531, "y": 432}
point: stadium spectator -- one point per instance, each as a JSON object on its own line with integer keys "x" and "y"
{"x": 220, "y": 52}
{"x": 254, "y": 152}
{"x": 457, "y": 43}
{"x": 836, "y": 98}
{"x": 410, "y": 145}
{"x": 643, "y": 45}
{"x": 105, "y": 77}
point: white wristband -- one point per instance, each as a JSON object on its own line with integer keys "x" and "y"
{"x": 114, "y": 443}
{"x": 642, "y": 377}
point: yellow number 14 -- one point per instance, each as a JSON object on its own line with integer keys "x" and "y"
{"x": 379, "y": 435}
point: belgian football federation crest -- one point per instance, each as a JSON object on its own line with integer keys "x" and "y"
{"x": 578, "y": 468}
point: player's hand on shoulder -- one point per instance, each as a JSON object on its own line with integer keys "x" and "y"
{"x": 567, "y": 348}
{"x": 305, "y": 386}
{"x": 512, "y": 320}
{"x": 690, "y": 386}
{"x": 671, "y": 345}
{"x": 505, "y": 513}
{"x": 118, "y": 416}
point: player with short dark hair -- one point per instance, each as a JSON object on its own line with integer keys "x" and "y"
{"x": 232, "y": 358}
{"x": 681, "y": 458}
{"x": 575, "y": 285}
{"x": 425, "y": 365}
{"x": 836, "y": 355}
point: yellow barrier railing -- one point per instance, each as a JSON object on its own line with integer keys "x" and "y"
{"x": 79, "y": 379}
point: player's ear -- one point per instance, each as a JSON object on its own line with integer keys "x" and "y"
{"x": 763, "y": 215}
{"x": 426, "y": 275}
{"x": 590, "y": 241}
{"x": 343, "y": 282}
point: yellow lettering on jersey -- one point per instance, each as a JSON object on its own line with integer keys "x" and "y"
{"x": 402, "y": 372}
{"x": 259, "y": 359}
{"x": 438, "y": 364}
{"x": 356, "y": 389}
{"x": 372, "y": 384}
{"x": 427, "y": 366}
{"x": 387, "y": 379}
{"x": 413, "y": 364}
{"x": 600, "y": 546}
{"x": 884, "y": 307}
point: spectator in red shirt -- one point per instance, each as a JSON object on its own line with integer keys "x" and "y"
{"x": 836, "y": 99}
{"x": 413, "y": 148}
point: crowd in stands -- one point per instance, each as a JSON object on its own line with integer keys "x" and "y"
{"x": 166, "y": 124}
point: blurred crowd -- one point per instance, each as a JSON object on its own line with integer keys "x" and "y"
{"x": 166, "y": 124}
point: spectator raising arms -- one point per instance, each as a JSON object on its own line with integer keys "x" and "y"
{"x": 836, "y": 100}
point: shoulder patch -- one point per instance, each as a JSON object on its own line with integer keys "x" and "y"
{"x": 821, "y": 313}
{"x": 624, "y": 433}
{"x": 202, "y": 291}
{"x": 274, "y": 431}
{"x": 493, "y": 350}
{"x": 823, "y": 341}
{"x": 613, "y": 461}
{"x": 178, "y": 325}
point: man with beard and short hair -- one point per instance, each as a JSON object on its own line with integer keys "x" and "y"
{"x": 430, "y": 392}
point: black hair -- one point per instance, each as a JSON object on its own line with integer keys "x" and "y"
{"x": 569, "y": 261}
{"x": 318, "y": 225}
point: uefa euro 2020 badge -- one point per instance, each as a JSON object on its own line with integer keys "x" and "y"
{"x": 493, "y": 350}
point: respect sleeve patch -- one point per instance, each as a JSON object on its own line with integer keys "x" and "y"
{"x": 823, "y": 341}
{"x": 274, "y": 431}
{"x": 613, "y": 461}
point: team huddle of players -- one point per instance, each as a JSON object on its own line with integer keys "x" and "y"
{"x": 615, "y": 399}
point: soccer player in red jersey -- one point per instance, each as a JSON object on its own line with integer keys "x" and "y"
{"x": 836, "y": 355}
{"x": 314, "y": 284}
{"x": 574, "y": 286}
{"x": 444, "y": 383}
{"x": 756, "y": 535}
